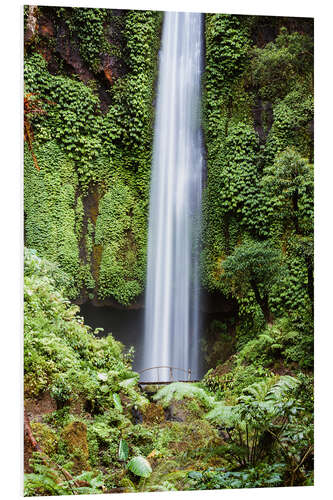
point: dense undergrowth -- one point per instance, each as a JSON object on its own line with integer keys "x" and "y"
{"x": 249, "y": 422}
{"x": 109, "y": 436}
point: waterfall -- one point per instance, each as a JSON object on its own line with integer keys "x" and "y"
{"x": 171, "y": 334}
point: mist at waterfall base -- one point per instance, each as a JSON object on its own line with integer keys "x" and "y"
{"x": 127, "y": 326}
{"x": 168, "y": 332}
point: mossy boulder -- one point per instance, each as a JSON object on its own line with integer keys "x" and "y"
{"x": 153, "y": 414}
{"x": 194, "y": 435}
{"x": 45, "y": 437}
{"x": 75, "y": 437}
{"x": 185, "y": 410}
{"x": 178, "y": 437}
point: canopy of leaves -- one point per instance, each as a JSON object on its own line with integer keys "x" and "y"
{"x": 289, "y": 182}
{"x": 252, "y": 262}
{"x": 275, "y": 67}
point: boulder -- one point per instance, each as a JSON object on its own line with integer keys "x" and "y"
{"x": 75, "y": 437}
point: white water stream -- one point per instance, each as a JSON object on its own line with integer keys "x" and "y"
{"x": 171, "y": 335}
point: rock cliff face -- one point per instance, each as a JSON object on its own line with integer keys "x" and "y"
{"x": 92, "y": 73}
{"x": 57, "y": 40}
{"x": 258, "y": 198}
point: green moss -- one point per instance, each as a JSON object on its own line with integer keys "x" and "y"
{"x": 153, "y": 414}
{"x": 259, "y": 186}
{"x": 51, "y": 225}
{"x": 45, "y": 437}
{"x": 178, "y": 437}
{"x": 75, "y": 437}
{"x": 80, "y": 152}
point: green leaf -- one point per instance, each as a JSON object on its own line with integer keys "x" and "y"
{"x": 140, "y": 466}
{"x": 194, "y": 474}
{"x": 123, "y": 450}
{"x": 129, "y": 382}
{"x": 117, "y": 402}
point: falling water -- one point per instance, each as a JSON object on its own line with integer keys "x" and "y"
{"x": 171, "y": 315}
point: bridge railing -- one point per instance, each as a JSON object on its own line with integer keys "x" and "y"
{"x": 171, "y": 369}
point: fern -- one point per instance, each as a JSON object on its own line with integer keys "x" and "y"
{"x": 257, "y": 391}
{"x": 253, "y": 418}
{"x": 270, "y": 389}
{"x": 180, "y": 390}
{"x": 285, "y": 385}
{"x": 223, "y": 414}
{"x": 45, "y": 481}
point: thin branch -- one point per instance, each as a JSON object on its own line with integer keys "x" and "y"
{"x": 47, "y": 461}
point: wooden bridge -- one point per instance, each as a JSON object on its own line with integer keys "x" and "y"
{"x": 171, "y": 369}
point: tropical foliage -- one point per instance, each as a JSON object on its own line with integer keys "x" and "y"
{"x": 87, "y": 152}
{"x": 88, "y": 120}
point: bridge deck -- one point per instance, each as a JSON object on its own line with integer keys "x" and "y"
{"x": 168, "y": 382}
{"x": 171, "y": 374}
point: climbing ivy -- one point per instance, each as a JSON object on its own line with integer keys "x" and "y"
{"x": 259, "y": 187}
{"x": 89, "y": 26}
{"x": 104, "y": 154}
{"x": 72, "y": 115}
{"x": 122, "y": 243}
{"x": 51, "y": 222}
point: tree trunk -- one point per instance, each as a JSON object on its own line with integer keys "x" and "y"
{"x": 263, "y": 303}
{"x": 295, "y": 209}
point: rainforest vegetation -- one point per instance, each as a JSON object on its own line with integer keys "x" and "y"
{"x": 89, "y": 94}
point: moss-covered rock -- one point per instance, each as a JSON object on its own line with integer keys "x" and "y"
{"x": 153, "y": 414}
{"x": 45, "y": 437}
{"x": 75, "y": 437}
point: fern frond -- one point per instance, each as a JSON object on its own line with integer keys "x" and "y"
{"x": 223, "y": 414}
{"x": 258, "y": 391}
{"x": 180, "y": 390}
{"x": 269, "y": 389}
{"x": 266, "y": 338}
{"x": 285, "y": 384}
